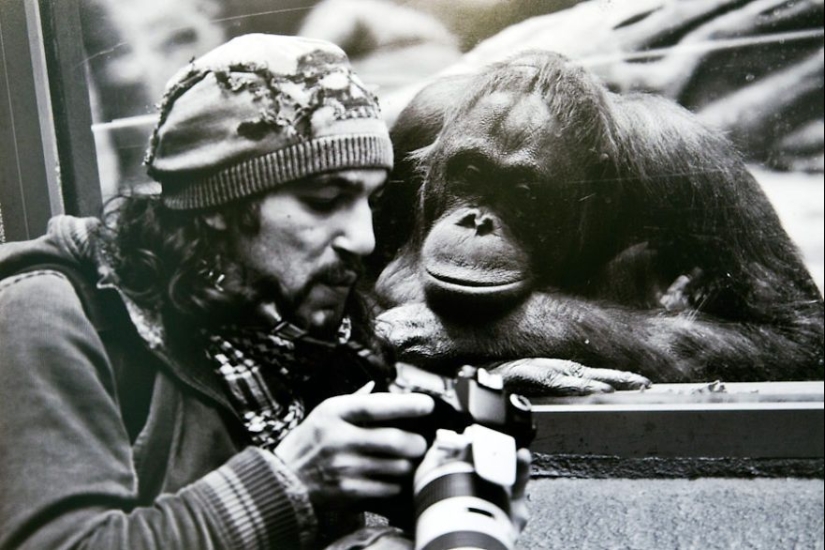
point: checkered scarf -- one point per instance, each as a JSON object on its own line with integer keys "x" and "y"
{"x": 274, "y": 376}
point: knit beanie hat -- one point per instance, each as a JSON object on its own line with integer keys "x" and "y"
{"x": 259, "y": 111}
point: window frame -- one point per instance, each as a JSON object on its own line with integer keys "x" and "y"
{"x": 46, "y": 143}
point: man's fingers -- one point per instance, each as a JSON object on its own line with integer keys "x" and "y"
{"x": 368, "y": 488}
{"x": 348, "y": 465}
{"x": 390, "y": 442}
{"x": 391, "y": 468}
{"x": 377, "y": 407}
{"x": 364, "y": 477}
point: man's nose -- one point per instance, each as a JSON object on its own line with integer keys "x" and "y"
{"x": 357, "y": 236}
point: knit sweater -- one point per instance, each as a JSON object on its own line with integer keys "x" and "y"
{"x": 72, "y": 473}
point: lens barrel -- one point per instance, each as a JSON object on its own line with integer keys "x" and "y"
{"x": 456, "y": 508}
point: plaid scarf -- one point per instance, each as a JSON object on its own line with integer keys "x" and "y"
{"x": 274, "y": 375}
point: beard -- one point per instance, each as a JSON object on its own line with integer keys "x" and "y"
{"x": 318, "y": 306}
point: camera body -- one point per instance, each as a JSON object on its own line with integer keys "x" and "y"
{"x": 474, "y": 396}
{"x": 462, "y": 487}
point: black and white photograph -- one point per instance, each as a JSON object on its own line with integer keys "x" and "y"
{"x": 412, "y": 274}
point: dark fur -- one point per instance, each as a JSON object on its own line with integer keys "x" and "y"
{"x": 663, "y": 198}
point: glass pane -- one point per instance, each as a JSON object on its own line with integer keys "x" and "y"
{"x": 753, "y": 68}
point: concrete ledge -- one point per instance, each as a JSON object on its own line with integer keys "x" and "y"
{"x": 708, "y": 466}
{"x": 607, "y": 467}
{"x": 661, "y": 514}
{"x": 767, "y": 420}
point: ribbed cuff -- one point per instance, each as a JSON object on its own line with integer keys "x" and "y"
{"x": 253, "y": 501}
{"x": 258, "y": 174}
{"x": 298, "y": 495}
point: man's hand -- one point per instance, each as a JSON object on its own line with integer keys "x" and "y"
{"x": 341, "y": 462}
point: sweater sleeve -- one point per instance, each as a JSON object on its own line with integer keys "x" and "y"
{"x": 66, "y": 471}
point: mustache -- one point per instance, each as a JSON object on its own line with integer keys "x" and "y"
{"x": 258, "y": 288}
{"x": 345, "y": 271}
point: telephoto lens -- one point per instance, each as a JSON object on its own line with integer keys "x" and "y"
{"x": 462, "y": 491}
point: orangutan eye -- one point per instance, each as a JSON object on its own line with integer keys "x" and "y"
{"x": 465, "y": 178}
{"x": 472, "y": 171}
{"x": 466, "y": 167}
{"x": 470, "y": 174}
{"x": 524, "y": 192}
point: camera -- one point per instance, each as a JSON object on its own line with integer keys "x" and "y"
{"x": 474, "y": 396}
{"x": 462, "y": 488}
{"x": 460, "y": 494}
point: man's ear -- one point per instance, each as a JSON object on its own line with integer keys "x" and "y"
{"x": 216, "y": 221}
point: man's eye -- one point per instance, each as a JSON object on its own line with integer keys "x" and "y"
{"x": 323, "y": 203}
{"x": 375, "y": 197}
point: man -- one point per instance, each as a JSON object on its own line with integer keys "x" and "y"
{"x": 190, "y": 402}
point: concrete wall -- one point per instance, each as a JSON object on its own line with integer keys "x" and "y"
{"x": 660, "y": 514}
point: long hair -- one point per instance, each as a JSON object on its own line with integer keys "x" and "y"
{"x": 163, "y": 259}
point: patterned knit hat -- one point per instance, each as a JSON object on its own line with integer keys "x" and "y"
{"x": 260, "y": 111}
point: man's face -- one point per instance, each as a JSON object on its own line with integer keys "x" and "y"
{"x": 313, "y": 234}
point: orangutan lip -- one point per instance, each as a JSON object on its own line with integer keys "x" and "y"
{"x": 456, "y": 281}
{"x": 451, "y": 286}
